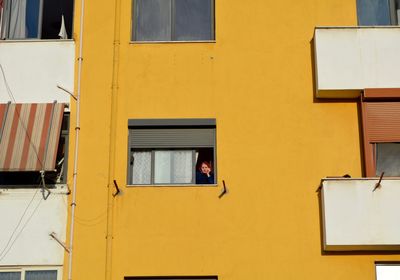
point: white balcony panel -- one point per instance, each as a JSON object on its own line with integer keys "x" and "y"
{"x": 26, "y": 222}
{"x": 387, "y": 271}
{"x": 357, "y": 218}
{"x": 33, "y": 69}
{"x": 350, "y": 59}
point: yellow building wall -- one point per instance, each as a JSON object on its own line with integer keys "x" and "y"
{"x": 275, "y": 142}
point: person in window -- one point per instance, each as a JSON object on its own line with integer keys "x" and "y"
{"x": 205, "y": 175}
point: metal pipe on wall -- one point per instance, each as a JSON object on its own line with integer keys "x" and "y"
{"x": 112, "y": 147}
{"x": 77, "y": 129}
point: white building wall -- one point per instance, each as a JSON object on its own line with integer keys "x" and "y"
{"x": 26, "y": 222}
{"x": 33, "y": 69}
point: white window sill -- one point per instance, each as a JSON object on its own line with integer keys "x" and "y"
{"x": 61, "y": 188}
{"x": 34, "y": 40}
{"x": 171, "y": 42}
{"x": 174, "y": 185}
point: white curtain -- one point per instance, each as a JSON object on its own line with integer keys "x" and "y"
{"x": 173, "y": 167}
{"x": 141, "y": 170}
{"x": 14, "y": 15}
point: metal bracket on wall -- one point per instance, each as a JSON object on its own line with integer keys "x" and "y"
{"x": 53, "y": 235}
{"x": 117, "y": 188}
{"x": 224, "y": 191}
{"x": 378, "y": 185}
{"x": 43, "y": 185}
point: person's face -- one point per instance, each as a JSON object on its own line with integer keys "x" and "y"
{"x": 205, "y": 169}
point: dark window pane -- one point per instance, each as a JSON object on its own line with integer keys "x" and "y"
{"x": 395, "y": 9}
{"x": 152, "y": 20}
{"x": 373, "y": 12}
{"x": 52, "y": 18}
{"x": 41, "y": 275}
{"x": 205, "y": 169}
{"x": 388, "y": 159}
{"x": 10, "y": 275}
{"x": 193, "y": 20}
{"x": 32, "y": 18}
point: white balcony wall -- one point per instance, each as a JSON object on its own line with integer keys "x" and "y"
{"x": 350, "y": 59}
{"x": 26, "y": 222}
{"x": 357, "y": 218}
{"x": 388, "y": 271}
{"x": 33, "y": 69}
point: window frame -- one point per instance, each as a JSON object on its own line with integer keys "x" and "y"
{"x": 23, "y": 269}
{"x": 42, "y": 21}
{"x": 382, "y": 135}
{"x": 133, "y": 30}
{"x": 164, "y": 124}
{"x": 391, "y": 7}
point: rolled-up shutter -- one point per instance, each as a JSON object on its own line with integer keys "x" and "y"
{"x": 381, "y": 124}
{"x": 172, "y": 138}
{"x": 175, "y": 133}
{"x": 382, "y": 121}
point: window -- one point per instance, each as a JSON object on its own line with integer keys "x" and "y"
{"x": 378, "y": 12}
{"x": 173, "y": 20}
{"x": 33, "y": 138}
{"x": 173, "y": 278}
{"x": 36, "y": 19}
{"x": 29, "y": 274}
{"x": 381, "y": 132}
{"x": 171, "y": 151}
{"x": 387, "y": 270}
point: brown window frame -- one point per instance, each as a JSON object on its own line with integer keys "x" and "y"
{"x": 380, "y": 109}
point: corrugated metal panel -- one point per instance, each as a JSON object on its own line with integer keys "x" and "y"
{"x": 171, "y": 122}
{"x": 30, "y": 137}
{"x": 172, "y": 138}
{"x": 381, "y": 93}
{"x": 382, "y": 123}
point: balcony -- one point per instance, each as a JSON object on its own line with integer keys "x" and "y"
{"x": 351, "y": 59}
{"x": 32, "y": 69}
{"x": 27, "y": 223}
{"x": 357, "y": 218}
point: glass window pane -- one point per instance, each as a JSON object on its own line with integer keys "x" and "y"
{"x": 141, "y": 170}
{"x": 182, "y": 164}
{"x": 41, "y": 275}
{"x": 32, "y": 18}
{"x": 152, "y": 20}
{"x": 173, "y": 167}
{"x": 10, "y": 275}
{"x": 162, "y": 167}
{"x": 388, "y": 159}
{"x": 373, "y": 12}
{"x": 193, "y": 20}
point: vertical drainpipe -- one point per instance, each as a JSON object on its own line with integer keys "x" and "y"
{"x": 112, "y": 141}
{"x": 77, "y": 129}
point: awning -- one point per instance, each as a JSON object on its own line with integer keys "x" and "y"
{"x": 29, "y": 136}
